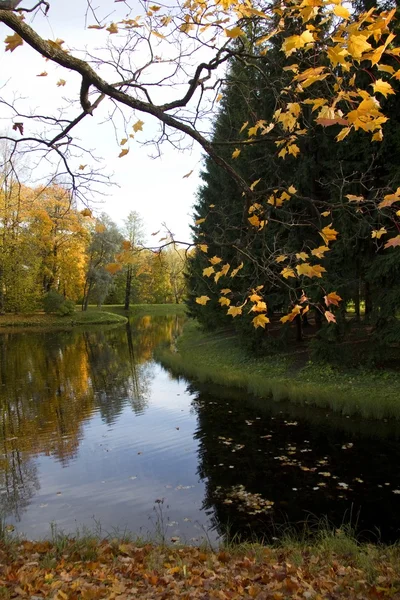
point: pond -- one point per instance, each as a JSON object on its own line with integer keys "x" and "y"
{"x": 94, "y": 433}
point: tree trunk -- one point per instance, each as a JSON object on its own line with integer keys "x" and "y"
{"x": 128, "y": 287}
{"x": 318, "y": 318}
{"x": 1, "y": 293}
{"x": 357, "y": 301}
{"x": 368, "y": 300}
{"x": 299, "y": 329}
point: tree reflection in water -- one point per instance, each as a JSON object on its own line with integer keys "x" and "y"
{"x": 52, "y": 383}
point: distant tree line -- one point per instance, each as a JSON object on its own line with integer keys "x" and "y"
{"x": 51, "y": 252}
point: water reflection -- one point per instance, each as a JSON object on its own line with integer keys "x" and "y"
{"x": 311, "y": 465}
{"x": 51, "y": 384}
{"x": 92, "y": 428}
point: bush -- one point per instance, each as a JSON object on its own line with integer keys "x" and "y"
{"x": 55, "y": 303}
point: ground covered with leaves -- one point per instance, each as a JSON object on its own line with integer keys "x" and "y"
{"x": 70, "y": 569}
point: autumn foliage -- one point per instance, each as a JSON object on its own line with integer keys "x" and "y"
{"x": 90, "y": 570}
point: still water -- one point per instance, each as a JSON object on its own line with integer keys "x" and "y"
{"x": 94, "y": 433}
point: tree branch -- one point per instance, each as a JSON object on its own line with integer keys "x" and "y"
{"x": 91, "y": 78}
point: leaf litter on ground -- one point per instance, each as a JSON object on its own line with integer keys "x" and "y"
{"x": 126, "y": 571}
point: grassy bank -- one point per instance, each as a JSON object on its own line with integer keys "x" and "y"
{"x": 42, "y": 320}
{"x": 334, "y": 566}
{"x": 219, "y": 358}
{"x": 137, "y": 310}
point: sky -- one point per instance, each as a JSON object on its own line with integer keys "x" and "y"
{"x": 154, "y": 187}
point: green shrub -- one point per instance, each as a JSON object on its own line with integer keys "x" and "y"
{"x": 55, "y": 303}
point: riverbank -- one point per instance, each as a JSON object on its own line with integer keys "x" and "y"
{"x": 42, "y": 320}
{"x": 85, "y": 568}
{"x": 154, "y": 310}
{"x": 219, "y": 358}
{"x": 108, "y": 315}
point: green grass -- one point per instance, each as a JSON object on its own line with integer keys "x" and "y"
{"x": 219, "y": 358}
{"x": 145, "y": 309}
{"x": 42, "y": 320}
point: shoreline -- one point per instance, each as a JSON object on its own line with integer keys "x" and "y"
{"x": 107, "y": 315}
{"x": 42, "y": 321}
{"x": 219, "y": 359}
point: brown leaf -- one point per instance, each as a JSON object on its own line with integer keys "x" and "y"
{"x": 19, "y": 127}
{"x": 13, "y": 41}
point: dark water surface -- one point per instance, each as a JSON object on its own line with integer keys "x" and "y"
{"x": 93, "y": 431}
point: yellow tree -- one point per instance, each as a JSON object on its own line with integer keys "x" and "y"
{"x": 61, "y": 239}
{"x": 18, "y": 261}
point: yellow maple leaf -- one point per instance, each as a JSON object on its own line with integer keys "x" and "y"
{"x": 215, "y": 260}
{"x": 123, "y": 152}
{"x": 138, "y": 126}
{"x": 328, "y": 234}
{"x": 236, "y": 153}
{"x": 341, "y": 11}
{"x": 112, "y": 28}
{"x": 222, "y": 272}
{"x": 332, "y": 298}
{"x": 260, "y": 321}
{"x": 254, "y": 220}
{"x": 293, "y": 149}
{"x": 326, "y": 213}
{"x": 224, "y": 301}
{"x": 353, "y": 198}
{"x": 320, "y": 251}
{"x": 292, "y": 315}
{"x": 61, "y": 83}
{"x": 378, "y": 136}
{"x": 236, "y": 271}
{"x": 383, "y": 87}
{"x": 225, "y": 291}
{"x": 13, "y": 41}
{"x": 253, "y": 185}
{"x": 259, "y": 307}
{"x": 378, "y": 233}
{"x": 310, "y": 270}
{"x": 234, "y": 32}
{"x": 302, "y": 255}
{"x": 199, "y": 221}
{"x": 288, "y": 272}
{"x": 202, "y": 300}
{"x": 254, "y": 297}
{"x": 234, "y": 311}
{"x": 389, "y": 199}
{"x": 203, "y": 247}
{"x": 358, "y": 44}
{"x": 208, "y": 271}
{"x": 292, "y": 189}
{"x": 343, "y": 133}
{"x": 281, "y": 258}
{"x": 295, "y": 42}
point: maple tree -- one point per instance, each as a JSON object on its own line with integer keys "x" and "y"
{"x": 339, "y": 66}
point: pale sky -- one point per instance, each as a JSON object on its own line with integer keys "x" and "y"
{"x": 153, "y": 187}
